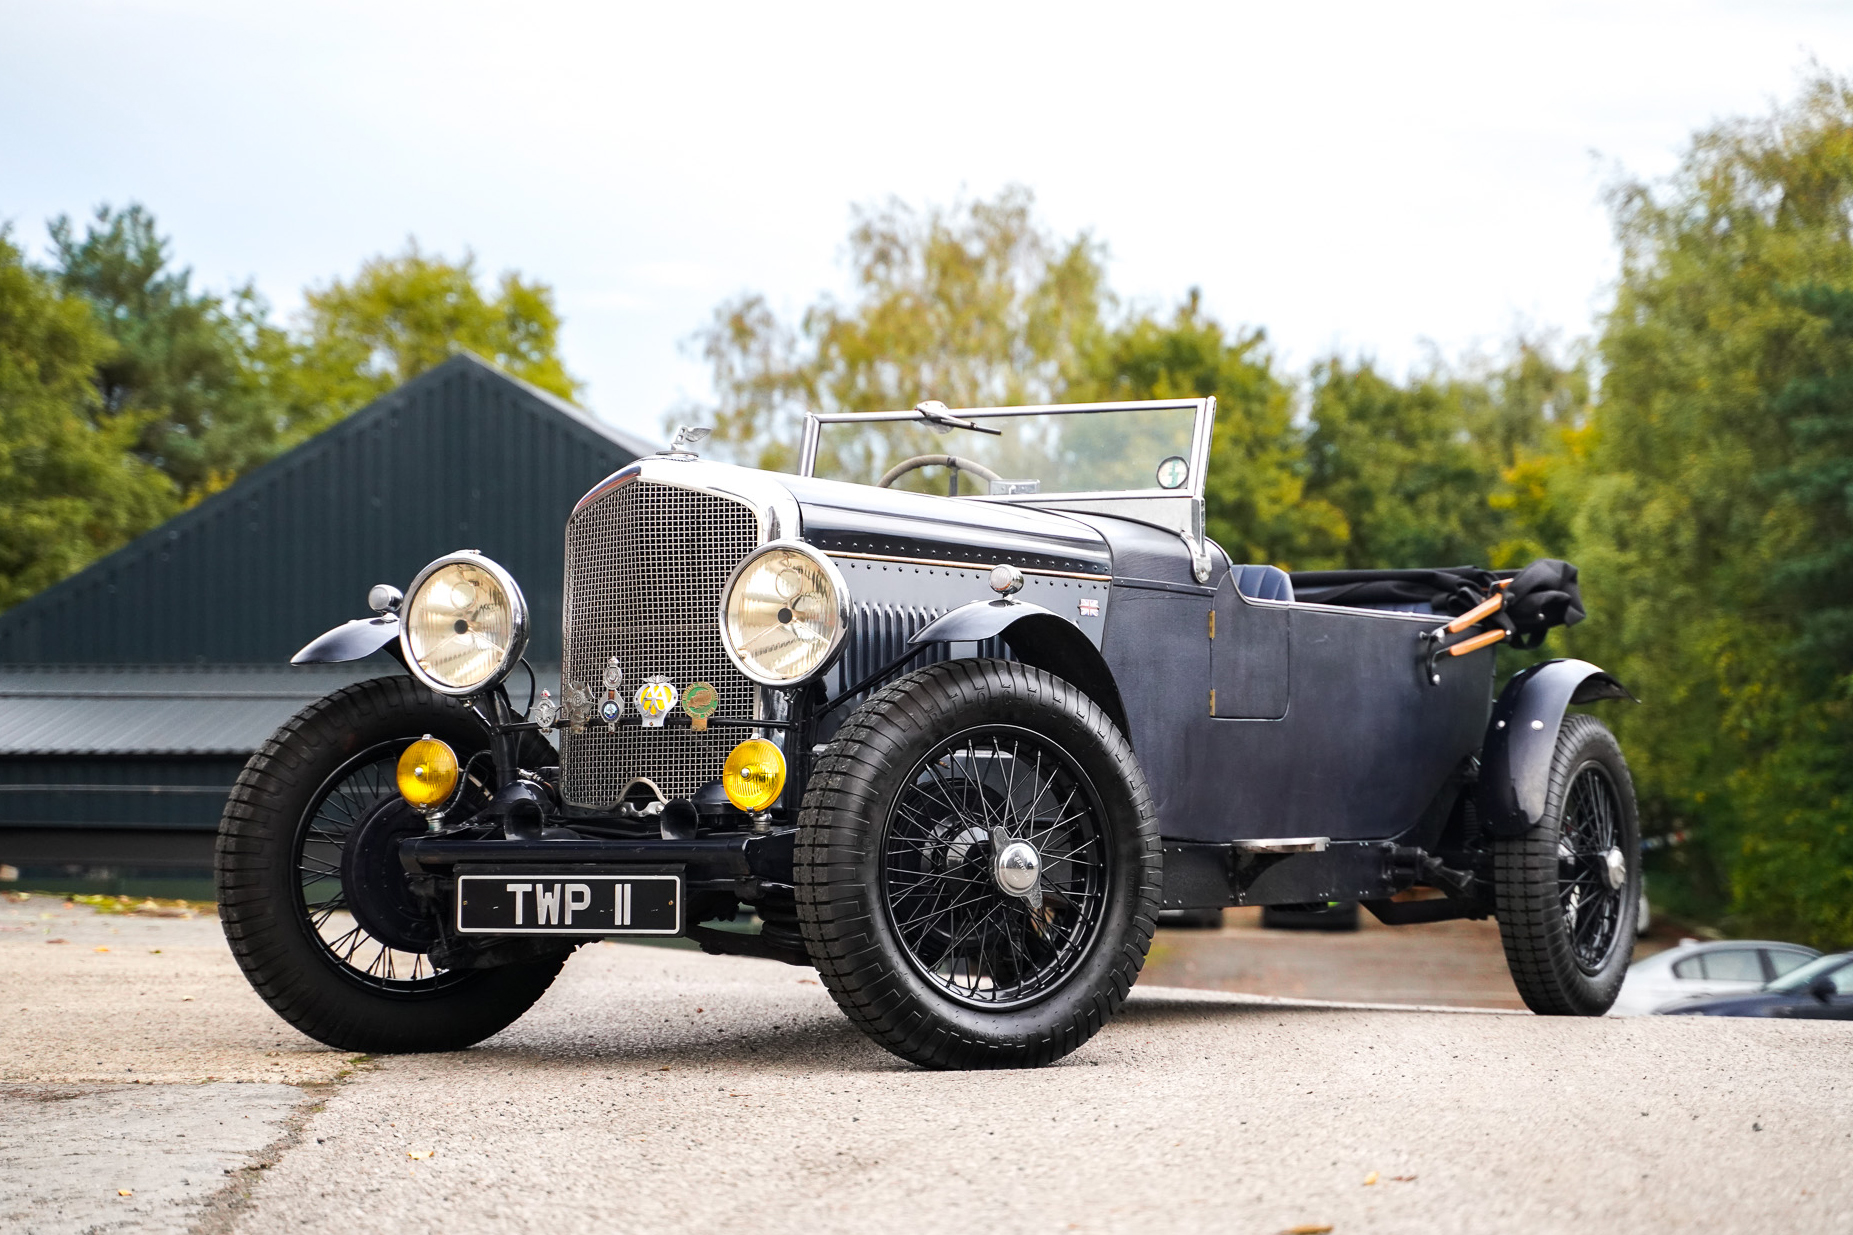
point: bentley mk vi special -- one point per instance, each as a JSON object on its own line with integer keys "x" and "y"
{"x": 950, "y": 714}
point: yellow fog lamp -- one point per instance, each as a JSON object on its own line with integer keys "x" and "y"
{"x": 427, "y": 773}
{"x": 754, "y": 775}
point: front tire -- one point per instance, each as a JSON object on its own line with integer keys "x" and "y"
{"x": 311, "y": 896}
{"x": 978, "y": 866}
{"x": 1568, "y": 889}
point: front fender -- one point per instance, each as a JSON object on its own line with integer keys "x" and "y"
{"x": 1036, "y": 637}
{"x": 1521, "y": 739}
{"x": 353, "y": 640}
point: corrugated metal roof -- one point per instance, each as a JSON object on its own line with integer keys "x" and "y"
{"x": 174, "y": 709}
{"x": 462, "y": 457}
{"x": 112, "y": 710}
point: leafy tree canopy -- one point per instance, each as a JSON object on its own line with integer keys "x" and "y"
{"x": 403, "y": 315}
{"x": 974, "y": 306}
{"x": 186, "y": 362}
{"x": 1712, "y": 510}
{"x": 71, "y": 485}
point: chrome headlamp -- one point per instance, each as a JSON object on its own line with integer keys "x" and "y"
{"x": 784, "y": 613}
{"x": 464, "y": 624}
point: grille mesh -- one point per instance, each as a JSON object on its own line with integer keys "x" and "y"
{"x": 645, "y": 565}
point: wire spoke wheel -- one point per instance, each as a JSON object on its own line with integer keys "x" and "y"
{"x": 316, "y": 907}
{"x": 963, "y": 927}
{"x": 1568, "y": 886}
{"x": 977, "y": 869}
{"x": 1591, "y": 900}
{"x": 336, "y": 901}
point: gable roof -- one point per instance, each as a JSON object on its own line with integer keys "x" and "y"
{"x": 461, "y": 457}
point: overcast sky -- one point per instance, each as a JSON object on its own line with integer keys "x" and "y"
{"x": 1376, "y": 178}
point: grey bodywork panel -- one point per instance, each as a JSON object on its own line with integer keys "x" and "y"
{"x": 1322, "y": 721}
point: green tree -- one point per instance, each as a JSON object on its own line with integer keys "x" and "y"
{"x": 70, "y": 486}
{"x": 186, "y": 364}
{"x": 1258, "y": 509}
{"x": 1400, "y": 463}
{"x": 975, "y": 306}
{"x": 1712, "y": 515}
{"x": 403, "y": 315}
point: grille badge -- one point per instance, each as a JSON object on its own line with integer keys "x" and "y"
{"x": 656, "y": 698}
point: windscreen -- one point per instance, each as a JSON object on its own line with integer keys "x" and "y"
{"x": 1042, "y": 452}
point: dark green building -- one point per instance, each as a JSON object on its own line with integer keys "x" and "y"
{"x": 132, "y": 692}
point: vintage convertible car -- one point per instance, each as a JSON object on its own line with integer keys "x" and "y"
{"x": 954, "y": 749}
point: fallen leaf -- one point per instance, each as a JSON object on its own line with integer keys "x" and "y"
{"x": 186, "y": 999}
{"x": 125, "y": 1192}
{"x": 154, "y": 951}
{"x": 1402, "y": 1179}
{"x": 99, "y": 948}
{"x": 664, "y": 1068}
{"x": 1370, "y": 1179}
{"x": 807, "y": 981}
{"x": 1310, "y": 1228}
{"x": 419, "y": 1153}
{"x": 57, "y": 941}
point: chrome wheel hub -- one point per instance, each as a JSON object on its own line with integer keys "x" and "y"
{"x": 1018, "y": 868}
{"x": 1617, "y": 868}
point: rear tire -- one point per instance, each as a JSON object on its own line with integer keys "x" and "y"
{"x": 1567, "y": 926}
{"x": 286, "y": 876}
{"x": 905, "y": 843}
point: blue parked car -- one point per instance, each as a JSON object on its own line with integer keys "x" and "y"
{"x": 1821, "y": 990}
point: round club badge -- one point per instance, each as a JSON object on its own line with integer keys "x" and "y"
{"x": 700, "y": 700}
{"x": 614, "y": 674}
{"x": 610, "y": 709}
{"x": 656, "y": 698}
{"x": 1173, "y": 472}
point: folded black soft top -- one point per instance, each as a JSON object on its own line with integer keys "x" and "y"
{"x": 1542, "y": 595}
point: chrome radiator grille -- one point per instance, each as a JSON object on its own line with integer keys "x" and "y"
{"x": 645, "y": 565}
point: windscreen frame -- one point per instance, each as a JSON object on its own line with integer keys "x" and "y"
{"x": 1203, "y": 409}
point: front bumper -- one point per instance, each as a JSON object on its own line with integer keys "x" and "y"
{"x": 746, "y": 862}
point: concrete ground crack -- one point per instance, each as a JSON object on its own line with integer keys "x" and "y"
{"x": 224, "y": 1209}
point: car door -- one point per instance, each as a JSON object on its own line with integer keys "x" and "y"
{"x": 1723, "y": 970}
{"x": 1837, "y": 1007}
{"x": 1326, "y": 721}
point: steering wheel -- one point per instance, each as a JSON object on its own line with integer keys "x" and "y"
{"x": 952, "y": 461}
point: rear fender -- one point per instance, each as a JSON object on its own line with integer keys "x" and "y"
{"x": 1521, "y": 739}
{"x": 1036, "y": 637}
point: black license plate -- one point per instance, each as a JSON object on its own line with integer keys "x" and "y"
{"x": 565, "y": 904}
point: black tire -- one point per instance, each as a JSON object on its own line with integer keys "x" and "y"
{"x": 892, "y": 817}
{"x": 1568, "y": 929}
{"x": 280, "y": 840}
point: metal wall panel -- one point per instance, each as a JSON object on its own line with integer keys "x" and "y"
{"x": 463, "y": 457}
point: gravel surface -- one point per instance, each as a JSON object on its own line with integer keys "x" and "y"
{"x": 656, "y": 1089}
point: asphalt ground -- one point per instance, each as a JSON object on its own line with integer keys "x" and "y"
{"x": 656, "y": 1089}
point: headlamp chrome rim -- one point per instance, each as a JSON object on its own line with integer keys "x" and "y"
{"x": 838, "y": 588}
{"x": 518, "y": 622}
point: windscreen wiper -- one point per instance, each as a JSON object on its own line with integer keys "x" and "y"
{"x": 934, "y": 412}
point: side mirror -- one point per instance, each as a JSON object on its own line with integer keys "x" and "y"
{"x": 1823, "y": 989}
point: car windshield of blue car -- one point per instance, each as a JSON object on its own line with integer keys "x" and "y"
{"x": 1798, "y": 980}
{"x": 1135, "y": 450}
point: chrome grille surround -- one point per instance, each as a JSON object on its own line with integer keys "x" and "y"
{"x": 645, "y": 565}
